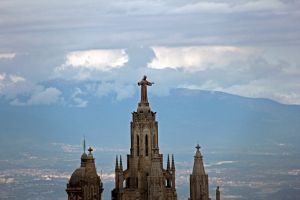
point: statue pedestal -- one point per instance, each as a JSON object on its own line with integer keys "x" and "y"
{"x": 143, "y": 107}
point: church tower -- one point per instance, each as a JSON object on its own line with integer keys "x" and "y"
{"x": 198, "y": 179}
{"x": 145, "y": 176}
{"x": 85, "y": 184}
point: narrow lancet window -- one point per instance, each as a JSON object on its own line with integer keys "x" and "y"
{"x": 138, "y": 145}
{"x": 146, "y": 145}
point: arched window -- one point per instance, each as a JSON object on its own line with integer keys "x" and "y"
{"x": 138, "y": 145}
{"x": 146, "y": 145}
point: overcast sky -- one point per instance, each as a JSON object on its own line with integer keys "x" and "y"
{"x": 61, "y": 52}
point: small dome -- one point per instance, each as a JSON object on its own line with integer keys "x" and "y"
{"x": 84, "y": 156}
{"x": 86, "y": 173}
{"x": 77, "y": 176}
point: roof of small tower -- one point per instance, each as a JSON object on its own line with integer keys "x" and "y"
{"x": 77, "y": 176}
{"x": 198, "y": 168}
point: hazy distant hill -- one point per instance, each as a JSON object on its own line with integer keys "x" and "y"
{"x": 185, "y": 117}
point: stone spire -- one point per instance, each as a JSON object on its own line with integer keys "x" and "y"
{"x": 168, "y": 163}
{"x": 173, "y": 163}
{"x": 218, "y": 194}
{"x": 173, "y": 173}
{"x": 121, "y": 165}
{"x": 198, "y": 179}
{"x": 117, "y": 164}
{"x": 83, "y": 144}
{"x": 198, "y": 168}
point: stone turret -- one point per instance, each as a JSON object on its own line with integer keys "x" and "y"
{"x": 198, "y": 179}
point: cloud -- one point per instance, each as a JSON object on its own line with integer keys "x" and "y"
{"x": 7, "y": 56}
{"x": 90, "y": 64}
{"x": 16, "y": 79}
{"x": 98, "y": 59}
{"x": 11, "y": 85}
{"x": 197, "y": 58}
{"x": 77, "y": 100}
{"x": 230, "y": 7}
{"x": 20, "y": 91}
{"x": 99, "y": 53}
{"x": 264, "y": 88}
{"x": 2, "y": 76}
{"x": 47, "y": 96}
{"x": 255, "y": 78}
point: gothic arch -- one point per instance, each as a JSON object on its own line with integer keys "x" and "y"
{"x": 146, "y": 145}
{"x": 137, "y": 145}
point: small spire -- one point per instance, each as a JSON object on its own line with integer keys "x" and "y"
{"x": 168, "y": 163}
{"x": 121, "y": 165}
{"x": 83, "y": 144}
{"x": 198, "y": 168}
{"x": 117, "y": 163}
{"x": 173, "y": 163}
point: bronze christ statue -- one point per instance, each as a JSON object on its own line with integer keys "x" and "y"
{"x": 144, "y": 83}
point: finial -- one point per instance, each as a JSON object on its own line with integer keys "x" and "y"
{"x": 90, "y": 150}
{"x": 83, "y": 144}
{"x": 198, "y": 147}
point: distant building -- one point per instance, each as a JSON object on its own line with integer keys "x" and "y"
{"x": 144, "y": 177}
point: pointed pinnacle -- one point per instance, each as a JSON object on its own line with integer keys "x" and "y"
{"x": 121, "y": 165}
{"x": 168, "y": 163}
{"x": 173, "y": 163}
{"x": 117, "y": 163}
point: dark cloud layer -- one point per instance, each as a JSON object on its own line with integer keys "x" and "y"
{"x": 41, "y": 34}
